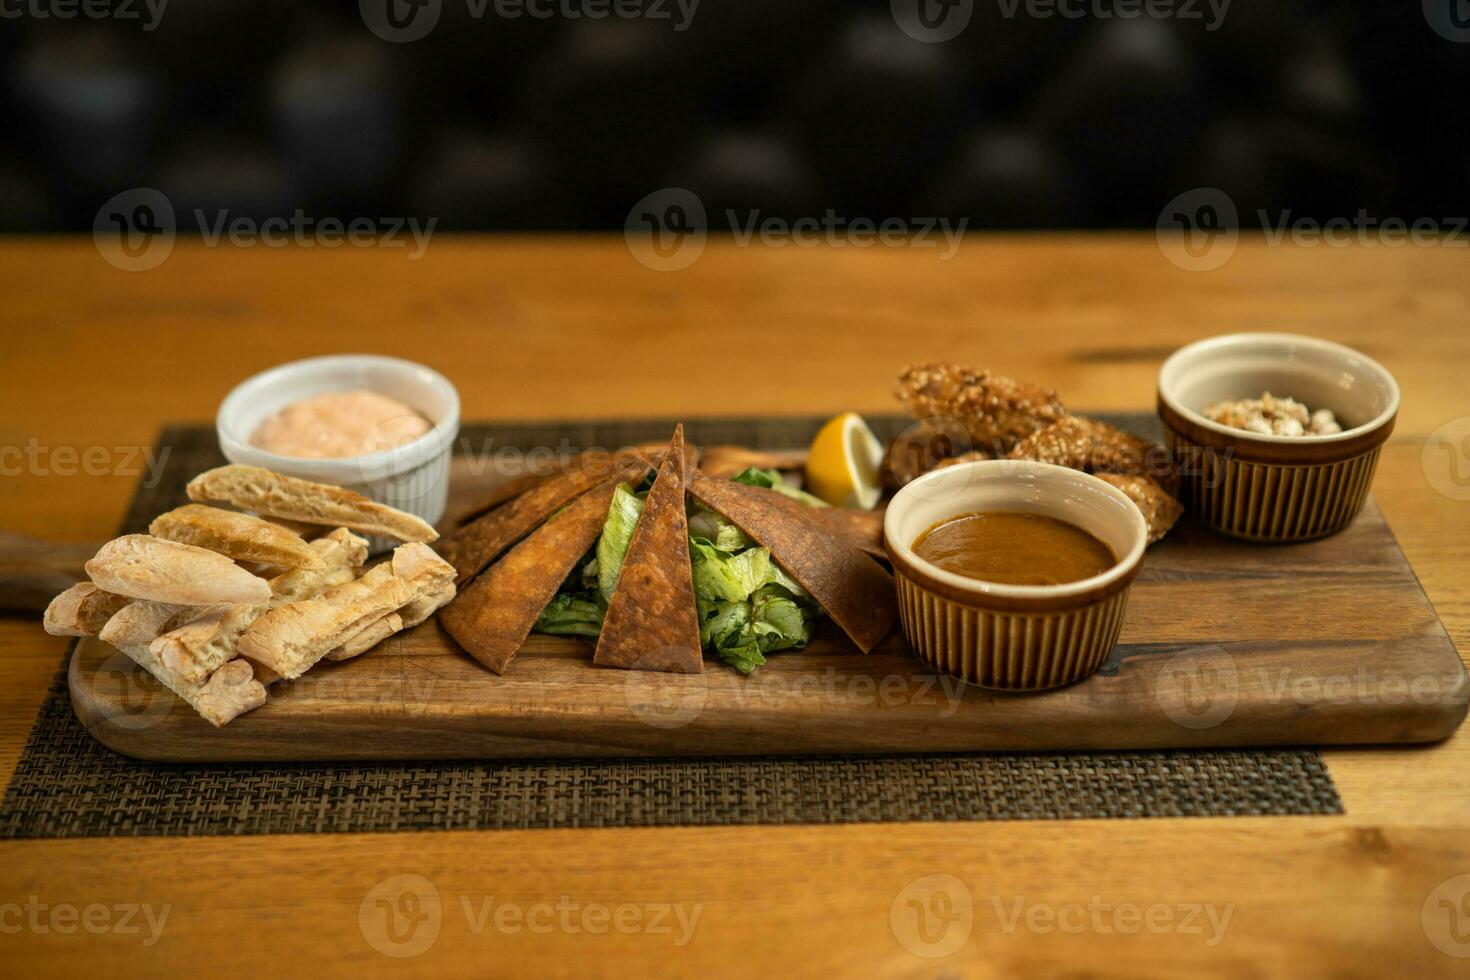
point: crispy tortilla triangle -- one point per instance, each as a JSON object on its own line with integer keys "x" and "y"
{"x": 492, "y": 617}
{"x": 849, "y": 585}
{"x": 514, "y": 486}
{"x": 508, "y": 489}
{"x": 652, "y": 622}
{"x": 726, "y": 461}
{"x": 480, "y": 542}
{"x": 861, "y": 528}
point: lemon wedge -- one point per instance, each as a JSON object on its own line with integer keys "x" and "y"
{"x": 844, "y": 462}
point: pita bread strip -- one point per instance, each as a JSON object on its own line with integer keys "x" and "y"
{"x": 652, "y": 620}
{"x": 368, "y": 637}
{"x": 82, "y": 610}
{"x": 242, "y": 537}
{"x": 144, "y": 567}
{"x": 228, "y": 693}
{"x": 197, "y": 648}
{"x": 289, "y": 640}
{"x": 406, "y": 618}
{"x": 272, "y": 495}
{"x": 855, "y": 592}
{"x": 143, "y": 621}
{"x": 493, "y": 617}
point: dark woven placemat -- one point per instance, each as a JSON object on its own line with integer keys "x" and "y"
{"x": 68, "y": 785}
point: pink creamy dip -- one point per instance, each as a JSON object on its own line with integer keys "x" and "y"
{"x": 339, "y": 425}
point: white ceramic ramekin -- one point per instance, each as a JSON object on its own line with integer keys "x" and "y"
{"x": 413, "y": 477}
{"x": 1013, "y": 637}
{"x": 1271, "y": 488}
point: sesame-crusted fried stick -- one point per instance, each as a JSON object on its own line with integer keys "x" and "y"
{"x": 1159, "y": 509}
{"x": 997, "y": 412}
{"x": 1096, "y": 447}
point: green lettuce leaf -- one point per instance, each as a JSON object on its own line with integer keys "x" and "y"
{"x": 771, "y": 480}
{"x": 719, "y": 575}
{"x": 716, "y": 530}
{"x": 720, "y": 622}
{"x": 748, "y": 606}
{"x": 778, "y": 621}
{"x": 571, "y": 615}
{"x": 617, "y": 531}
{"x": 744, "y": 657}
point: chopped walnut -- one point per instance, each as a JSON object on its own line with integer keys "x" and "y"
{"x": 1269, "y": 415}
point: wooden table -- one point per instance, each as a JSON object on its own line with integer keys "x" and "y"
{"x": 561, "y": 327}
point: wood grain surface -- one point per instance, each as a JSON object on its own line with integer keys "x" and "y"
{"x": 549, "y": 327}
{"x": 1353, "y": 653}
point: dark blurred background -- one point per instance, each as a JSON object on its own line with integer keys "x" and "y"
{"x": 790, "y": 106}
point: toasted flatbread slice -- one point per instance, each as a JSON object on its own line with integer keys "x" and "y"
{"x": 406, "y": 618}
{"x": 142, "y": 621}
{"x": 855, "y": 592}
{"x": 289, "y": 640}
{"x": 480, "y": 542}
{"x": 421, "y": 609}
{"x": 197, "y": 648}
{"x": 225, "y": 695}
{"x": 242, "y": 537}
{"x": 342, "y": 554}
{"x": 144, "y": 567}
{"x": 368, "y": 637}
{"x": 493, "y": 616}
{"x": 82, "y": 610}
{"x": 272, "y": 495}
{"x": 652, "y": 622}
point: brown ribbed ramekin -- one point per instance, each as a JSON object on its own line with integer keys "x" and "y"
{"x": 1270, "y": 488}
{"x": 1012, "y": 637}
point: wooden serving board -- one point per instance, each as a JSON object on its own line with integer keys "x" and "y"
{"x": 1224, "y": 644}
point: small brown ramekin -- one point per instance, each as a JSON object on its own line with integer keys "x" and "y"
{"x": 1013, "y": 637}
{"x": 1269, "y": 488}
